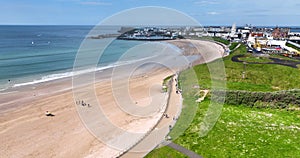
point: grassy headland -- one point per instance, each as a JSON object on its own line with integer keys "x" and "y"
{"x": 241, "y": 131}
{"x": 245, "y": 132}
{"x": 258, "y": 77}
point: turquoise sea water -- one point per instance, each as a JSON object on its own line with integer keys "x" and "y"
{"x": 35, "y": 54}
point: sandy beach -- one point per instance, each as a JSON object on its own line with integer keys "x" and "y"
{"x": 27, "y": 132}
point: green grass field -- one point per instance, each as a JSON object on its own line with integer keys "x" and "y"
{"x": 240, "y": 131}
{"x": 217, "y": 39}
{"x": 284, "y": 58}
{"x": 245, "y": 132}
{"x": 250, "y": 58}
{"x": 233, "y": 45}
{"x": 259, "y": 77}
{"x": 221, "y": 40}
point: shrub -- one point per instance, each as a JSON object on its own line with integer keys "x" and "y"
{"x": 278, "y": 100}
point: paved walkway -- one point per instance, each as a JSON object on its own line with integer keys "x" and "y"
{"x": 183, "y": 150}
{"x": 161, "y": 130}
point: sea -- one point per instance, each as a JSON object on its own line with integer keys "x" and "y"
{"x": 295, "y": 29}
{"x": 36, "y": 54}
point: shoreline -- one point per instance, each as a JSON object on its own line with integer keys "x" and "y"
{"x": 28, "y": 117}
{"x": 33, "y": 120}
{"x": 157, "y": 136}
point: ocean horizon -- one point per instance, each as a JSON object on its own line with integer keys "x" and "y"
{"x": 31, "y": 54}
{"x": 36, "y": 54}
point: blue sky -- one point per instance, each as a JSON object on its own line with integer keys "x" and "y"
{"x": 207, "y": 12}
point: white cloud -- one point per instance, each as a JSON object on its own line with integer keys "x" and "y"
{"x": 212, "y": 13}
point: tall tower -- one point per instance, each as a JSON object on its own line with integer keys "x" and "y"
{"x": 233, "y": 30}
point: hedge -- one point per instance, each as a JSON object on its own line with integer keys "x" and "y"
{"x": 279, "y": 100}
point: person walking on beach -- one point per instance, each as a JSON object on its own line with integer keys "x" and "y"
{"x": 49, "y": 113}
{"x": 9, "y": 84}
